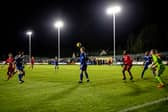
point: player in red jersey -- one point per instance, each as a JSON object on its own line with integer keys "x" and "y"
{"x": 11, "y": 67}
{"x": 127, "y": 65}
{"x": 32, "y": 63}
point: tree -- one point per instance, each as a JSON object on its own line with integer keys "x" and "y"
{"x": 148, "y": 38}
{"x": 130, "y": 42}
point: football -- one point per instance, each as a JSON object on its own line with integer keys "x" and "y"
{"x": 78, "y": 44}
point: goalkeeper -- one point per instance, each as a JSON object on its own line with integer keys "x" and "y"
{"x": 158, "y": 67}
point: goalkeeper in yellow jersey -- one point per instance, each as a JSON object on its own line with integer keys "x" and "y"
{"x": 158, "y": 67}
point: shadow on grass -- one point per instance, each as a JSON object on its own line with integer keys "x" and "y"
{"x": 53, "y": 97}
{"x": 135, "y": 89}
{"x": 63, "y": 93}
{"x": 104, "y": 82}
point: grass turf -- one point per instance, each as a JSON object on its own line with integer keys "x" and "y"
{"x": 47, "y": 90}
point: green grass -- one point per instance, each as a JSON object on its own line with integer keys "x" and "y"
{"x": 161, "y": 107}
{"x": 47, "y": 90}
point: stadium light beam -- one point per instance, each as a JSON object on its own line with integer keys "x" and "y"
{"x": 59, "y": 24}
{"x": 29, "y": 33}
{"x": 113, "y": 10}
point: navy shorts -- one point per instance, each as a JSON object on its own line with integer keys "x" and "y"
{"x": 83, "y": 67}
{"x": 20, "y": 68}
{"x": 146, "y": 65}
{"x": 56, "y": 63}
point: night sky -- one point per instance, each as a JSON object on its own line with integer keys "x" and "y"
{"x": 85, "y": 21}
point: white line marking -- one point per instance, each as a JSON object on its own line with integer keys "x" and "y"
{"x": 144, "y": 105}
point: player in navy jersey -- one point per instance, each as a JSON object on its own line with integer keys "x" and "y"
{"x": 19, "y": 61}
{"x": 147, "y": 62}
{"x": 56, "y": 63}
{"x": 83, "y": 64}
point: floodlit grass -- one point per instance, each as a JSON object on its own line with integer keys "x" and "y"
{"x": 47, "y": 90}
{"x": 161, "y": 107}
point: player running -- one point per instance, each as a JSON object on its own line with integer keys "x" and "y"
{"x": 83, "y": 65}
{"x": 158, "y": 67}
{"x": 19, "y": 61}
{"x": 127, "y": 65}
{"x": 147, "y": 62}
{"x": 11, "y": 66}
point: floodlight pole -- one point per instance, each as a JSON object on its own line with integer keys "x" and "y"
{"x": 114, "y": 49}
{"x": 112, "y": 11}
{"x": 29, "y": 33}
{"x": 59, "y": 54}
{"x": 29, "y": 48}
{"x": 58, "y": 25}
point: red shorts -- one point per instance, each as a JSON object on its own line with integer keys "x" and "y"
{"x": 127, "y": 67}
{"x": 10, "y": 70}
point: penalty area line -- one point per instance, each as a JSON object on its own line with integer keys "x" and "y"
{"x": 144, "y": 105}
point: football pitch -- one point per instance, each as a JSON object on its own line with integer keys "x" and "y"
{"x": 47, "y": 90}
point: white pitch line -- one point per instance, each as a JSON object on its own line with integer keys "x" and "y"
{"x": 144, "y": 105}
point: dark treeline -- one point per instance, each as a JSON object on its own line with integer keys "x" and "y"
{"x": 149, "y": 37}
